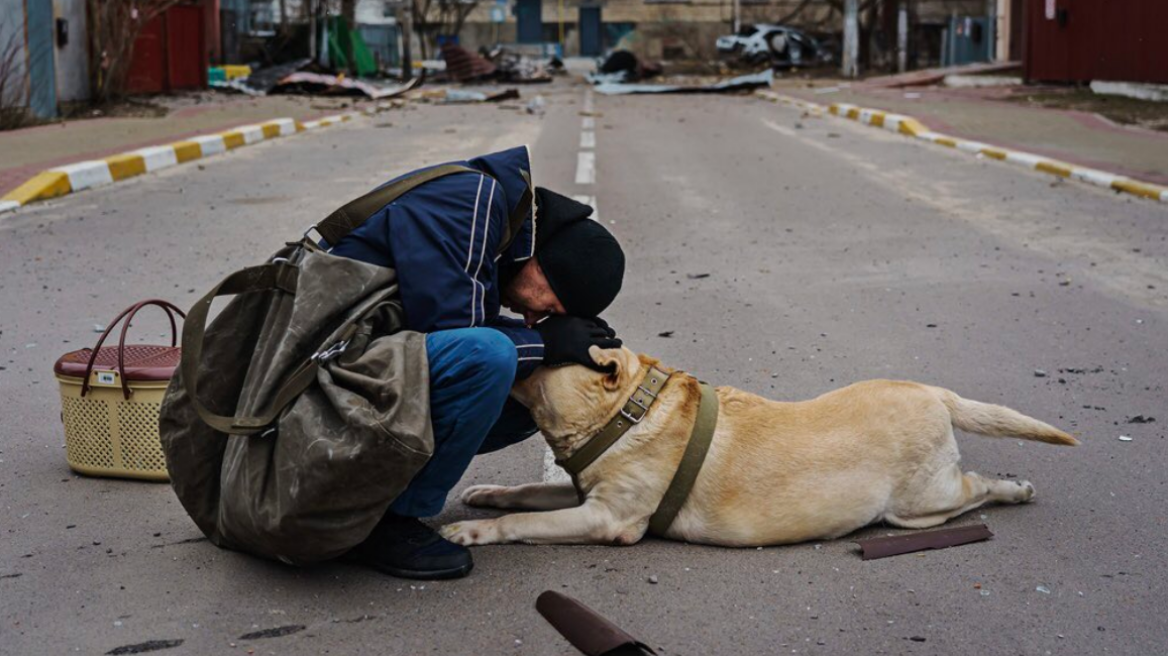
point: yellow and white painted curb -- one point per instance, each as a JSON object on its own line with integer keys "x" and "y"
{"x": 96, "y": 173}
{"x": 910, "y": 126}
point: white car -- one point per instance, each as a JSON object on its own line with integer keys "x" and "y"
{"x": 782, "y": 46}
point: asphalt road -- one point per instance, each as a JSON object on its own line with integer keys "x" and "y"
{"x": 834, "y": 253}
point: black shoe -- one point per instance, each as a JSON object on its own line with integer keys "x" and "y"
{"x": 407, "y": 548}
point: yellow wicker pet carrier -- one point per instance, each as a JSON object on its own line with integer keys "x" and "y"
{"x": 110, "y": 399}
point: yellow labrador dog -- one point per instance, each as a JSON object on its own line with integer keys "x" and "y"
{"x": 776, "y": 473}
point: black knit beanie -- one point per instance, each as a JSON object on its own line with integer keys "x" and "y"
{"x": 583, "y": 262}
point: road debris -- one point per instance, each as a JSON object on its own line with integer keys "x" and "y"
{"x": 740, "y": 83}
{"x": 653, "y": 579}
{"x": 261, "y": 82}
{"x": 463, "y": 96}
{"x": 502, "y": 64}
{"x": 623, "y": 66}
{"x": 277, "y": 632}
{"x": 1141, "y": 419}
{"x": 144, "y": 647}
{"x": 340, "y": 85}
{"x": 665, "y": 333}
{"x": 585, "y": 629}
{"x": 463, "y": 65}
{"x": 922, "y": 540}
{"x": 1043, "y": 589}
{"x": 1039, "y": 373}
{"x": 1125, "y": 438}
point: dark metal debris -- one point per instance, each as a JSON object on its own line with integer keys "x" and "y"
{"x": 697, "y": 276}
{"x": 278, "y": 632}
{"x": 585, "y": 629}
{"x": 143, "y": 647}
{"x": 667, "y": 333}
{"x": 923, "y": 540}
{"x": 740, "y": 83}
{"x": 1140, "y": 419}
{"x": 463, "y": 65}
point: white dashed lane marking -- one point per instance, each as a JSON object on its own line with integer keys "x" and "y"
{"x": 585, "y": 168}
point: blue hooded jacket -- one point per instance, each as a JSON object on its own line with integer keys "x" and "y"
{"x": 443, "y": 238}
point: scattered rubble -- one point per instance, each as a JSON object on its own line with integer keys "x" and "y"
{"x": 501, "y": 64}
{"x": 740, "y": 83}
{"x": 623, "y": 66}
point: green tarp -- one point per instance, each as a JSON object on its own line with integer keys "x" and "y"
{"x": 341, "y": 42}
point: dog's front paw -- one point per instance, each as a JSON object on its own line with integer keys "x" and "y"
{"x": 483, "y": 496}
{"x": 472, "y": 532}
{"x": 1026, "y": 492}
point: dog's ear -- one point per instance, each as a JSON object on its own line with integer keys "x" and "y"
{"x": 612, "y": 361}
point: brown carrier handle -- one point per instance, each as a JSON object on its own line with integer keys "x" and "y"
{"x": 128, "y": 314}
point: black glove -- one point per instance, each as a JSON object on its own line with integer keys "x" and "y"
{"x": 566, "y": 340}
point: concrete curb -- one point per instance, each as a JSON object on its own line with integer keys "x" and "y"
{"x": 910, "y": 126}
{"x": 96, "y": 173}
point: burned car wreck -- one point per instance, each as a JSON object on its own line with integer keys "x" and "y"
{"x": 778, "y": 45}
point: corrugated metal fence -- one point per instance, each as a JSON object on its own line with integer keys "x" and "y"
{"x": 1084, "y": 40}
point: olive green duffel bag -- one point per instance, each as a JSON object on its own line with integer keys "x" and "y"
{"x": 303, "y": 410}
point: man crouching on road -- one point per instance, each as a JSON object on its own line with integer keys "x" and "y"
{"x": 462, "y": 245}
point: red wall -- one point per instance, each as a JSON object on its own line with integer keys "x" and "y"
{"x": 171, "y": 52}
{"x": 1120, "y": 40}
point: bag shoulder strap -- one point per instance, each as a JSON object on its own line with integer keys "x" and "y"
{"x": 277, "y": 276}
{"x": 353, "y": 214}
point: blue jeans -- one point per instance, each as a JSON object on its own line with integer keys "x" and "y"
{"x": 471, "y": 372}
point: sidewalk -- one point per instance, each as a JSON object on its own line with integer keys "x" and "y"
{"x": 982, "y": 115}
{"x": 29, "y": 151}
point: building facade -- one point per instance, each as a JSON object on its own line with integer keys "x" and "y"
{"x": 44, "y": 55}
{"x": 687, "y": 29}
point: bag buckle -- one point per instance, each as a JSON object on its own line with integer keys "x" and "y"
{"x": 331, "y": 352}
{"x": 310, "y": 230}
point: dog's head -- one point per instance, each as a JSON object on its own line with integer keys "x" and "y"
{"x": 576, "y": 401}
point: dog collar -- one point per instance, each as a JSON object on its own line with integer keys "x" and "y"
{"x": 634, "y": 410}
{"x": 631, "y": 414}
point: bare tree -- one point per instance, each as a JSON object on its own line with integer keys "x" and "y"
{"x": 13, "y": 79}
{"x": 114, "y": 27}
{"x": 434, "y": 17}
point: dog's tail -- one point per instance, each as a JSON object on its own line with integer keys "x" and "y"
{"x": 999, "y": 421}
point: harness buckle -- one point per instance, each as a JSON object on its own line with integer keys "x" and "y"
{"x": 634, "y": 419}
